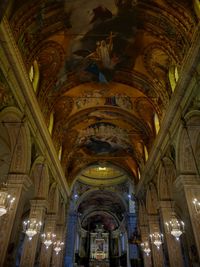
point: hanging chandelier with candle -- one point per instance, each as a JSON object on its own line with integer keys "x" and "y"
{"x": 48, "y": 239}
{"x": 146, "y": 248}
{"x": 6, "y": 201}
{"x": 175, "y": 227}
{"x": 31, "y": 227}
{"x": 157, "y": 239}
{"x": 57, "y": 246}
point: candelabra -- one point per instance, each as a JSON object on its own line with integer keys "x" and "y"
{"x": 196, "y": 205}
{"x": 31, "y": 227}
{"x": 175, "y": 227}
{"x": 58, "y": 245}
{"x": 145, "y": 247}
{"x": 48, "y": 239}
{"x": 156, "y": 239}
{"x": 6, "y": 201}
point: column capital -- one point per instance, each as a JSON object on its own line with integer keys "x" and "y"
{"x": 19, "y": 179}
{"x": 189, "y": 180}
{"x": 153, "y": 218}
{"x": 39, "y": 203}
{"x": 166, "y": 204}
{"x": 51, "y": 217}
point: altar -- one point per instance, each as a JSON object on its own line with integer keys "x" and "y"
{"x": 99, "y": 248}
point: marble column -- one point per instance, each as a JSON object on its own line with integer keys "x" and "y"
{"x": 173, "y": 246}
{"x": 188, "y": 187}
{"x": 38, "y": 208}
{"x": 70, "y": 239}
{"x": 132, "y": 226}
{"x": 45, "y": 254}
{"x": 157, "y": 254}
{"x": 145, "y": 238}
{"x": 18, "y": 185}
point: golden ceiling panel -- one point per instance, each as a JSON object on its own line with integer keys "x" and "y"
{"x": 102, "y": 175}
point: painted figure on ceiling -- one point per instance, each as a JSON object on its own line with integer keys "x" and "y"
{"x": 104, "y": 51}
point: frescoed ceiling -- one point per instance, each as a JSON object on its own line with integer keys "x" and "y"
{"x": 104, "y": 73}
{"x": 106, "y": 201}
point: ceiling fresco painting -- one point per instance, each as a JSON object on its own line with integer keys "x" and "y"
{"x": 106, "y": 201}
{"x": 103, "y": 218}
{"x": 104, "y": 73}
{"x": 103, "y": 37}
{"x": 104, "y": 138}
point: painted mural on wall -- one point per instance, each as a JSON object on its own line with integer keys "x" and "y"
{"x": 104, "y": 138}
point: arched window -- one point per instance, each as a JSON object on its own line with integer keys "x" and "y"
{"x": 146, "y": 154}
{"x": 156, "y": 123}
{"x": 60, "y": 153}
{"x": 139, "y": 175}
{"x": 197, "y": 7}
{"x": 34, "y": 75}
{"x": 51, "y": 122}
{"x": 173, "y": 76}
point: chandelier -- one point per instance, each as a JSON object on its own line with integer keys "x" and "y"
{"x": 196, "y": 205}
{"x": 6, "y": 201}
{"x": 58, "y": 245}
{"x": 31, "y": 227}
{"x": 145, "y": 247}
{"x": 156, "y": 239}
{"x": 48, "y": 239}
{"x": 175, "y": 227}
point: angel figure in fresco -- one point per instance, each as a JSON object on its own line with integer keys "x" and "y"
{"x": 102, "y": 61}
{"x": 103, "y": 53}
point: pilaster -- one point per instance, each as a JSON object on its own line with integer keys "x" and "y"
{"x": 189, "y": 185}
{"x": 145, "y": 238}
{"x": 46, "y": 254}
{"x": 38, "y": 208}
{"x": 57, "y": 260}
{"x": 173, "y": 246}
{"x": 157, "y": 254}
{"x": 18, "y": 184}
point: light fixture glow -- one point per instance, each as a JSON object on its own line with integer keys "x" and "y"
{"x": 48, "y": 239}
{"x": 145, "y": 247}
{"x": 6, "y": 201}
{"x": 58, "y": 245}
{"x": 102, "y": 168}
{"x": 31, "y": 227}
{"x": 76, "y": 196}
{"x": 196, "y": 205}
{"x": 175, "y": 227}
{"x": 156, "y": 239}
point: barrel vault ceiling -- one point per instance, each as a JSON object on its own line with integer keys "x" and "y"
{"x": 104, "y": 74}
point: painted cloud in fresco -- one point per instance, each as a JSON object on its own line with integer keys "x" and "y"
{"x": 102, "y": 38}
{"x": 104, "y": 138}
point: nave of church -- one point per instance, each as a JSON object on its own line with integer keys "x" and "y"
{"x": 99, "y": 133}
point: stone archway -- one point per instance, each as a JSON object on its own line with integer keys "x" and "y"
{"x": 188, "y": 140}
{"x": 16, "y": 138}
